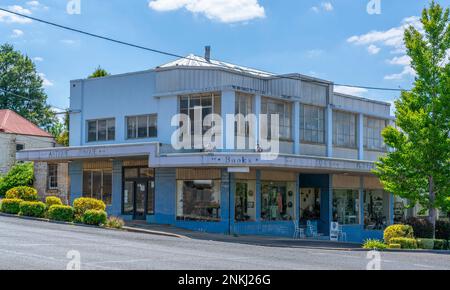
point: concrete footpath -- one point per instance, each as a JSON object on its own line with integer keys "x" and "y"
{"x": 268, "y": 241}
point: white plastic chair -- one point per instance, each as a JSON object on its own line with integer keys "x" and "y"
{"x": 342, "y": 236}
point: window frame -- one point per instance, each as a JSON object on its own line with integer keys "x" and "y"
{"x": 287, "y": 115}
{"x": 376, "y": 137}
{"x": 320, "y": 128}
{"x": 107, "y": 130}
{"x": 136, "y": 119}
{"x": 102, "y": 185}
{"x": 49, "y": 176}
{"x": 350, "y": 139}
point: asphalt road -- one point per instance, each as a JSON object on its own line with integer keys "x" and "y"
{"x": 26, "y": 244}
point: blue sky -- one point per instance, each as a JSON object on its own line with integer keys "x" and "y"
{"x": 336, "y": 40}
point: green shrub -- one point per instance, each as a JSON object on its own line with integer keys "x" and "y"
{"x": 398, "y": 231}
{"x": 23, "y": 192}
{"x": 52, "y": 200}
{"x": 422, "y": 227}
{"x": 114, "y": 222}
{"x": 374, "y": 244}
{"x": 426, "y": 244}
{"x": 19, "y": 175}
{"x": 82, "y": 204}
{"x": 94, "y": 217}
{"x": 394, "y": 246}
{"x": 443, "y": 230}
{"x": 11, "y": 206}
{"x": 440, "y": 244}
{"x": 62, "y": 213}
{"x": 405, "y": 243}
{"x": 32, "y": 208}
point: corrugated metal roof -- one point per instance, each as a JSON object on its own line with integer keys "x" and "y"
{"x": 198, "y": 61}
{"x": 11, "y": 122}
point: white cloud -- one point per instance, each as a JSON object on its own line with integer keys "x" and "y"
{"x": 407, "y": 71}
{"x": 327, "y": 6}
{"x": 38, "y": 58}
{"x": 350, "y": 90}
{"x": 227, "y": 11}
{"x": 403, "y": 60}
{"x": 12, "y": 18}
{"x": 33, "y": 3}
{"x": 324, "y": 6}
{"x": 45, "y": 82}
{"x": 373, "y": 49}
{"x": 314, "y": 53}
{"x": 16, "y": 33}
{"x": 392, "y": 39}
{"x": 68, "y": 41}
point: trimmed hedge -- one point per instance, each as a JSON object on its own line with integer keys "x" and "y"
{"x": 11, "y": 205}
{"x": 83, "y": 204}
{"x": 52, "y": 200}
{"x": 63, "y": 213}
{"x": 94, "y": 217}
{"x": 398, "y": 231}
{"x": 394, "y": 246}
{"x": 32, "y": 208}
{"x": 440, "y": 244}
{"x": 443, "y": 230}
{"x": 426, "y": 244}
{"x": 374, "y": 245}
{"x": 25, "y": 193}
{"x": 406, "y": 243}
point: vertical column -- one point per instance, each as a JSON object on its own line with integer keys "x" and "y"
{"x": 330, "y": 202}
{"x": 361, "y": 200}
{"x": 297, "y": 198}
{"x": 76, "y": 180}
{"x": 258, "y": 196}
{"x": 329, "y": 130}
{"x": 296, "y": 127}
{"x": 257, "y": 111}
{"x": 360, "y": 135}
{"x": 226, "y": 201}
{"x": 228, "y": 107}
{"x": 116, "y": 207}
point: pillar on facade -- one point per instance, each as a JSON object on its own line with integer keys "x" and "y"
{"x": 296, "y": 127}
{"x": 76, "y": 180}
{"x": 228, "y": 107}
{"x": 329, "y": 130}
{"x": 116, "y": 206}
{"x": 360, "y": 135}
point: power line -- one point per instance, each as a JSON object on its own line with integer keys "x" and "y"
{"x": 29, "y": 99}
{"x": 174, "y": 54}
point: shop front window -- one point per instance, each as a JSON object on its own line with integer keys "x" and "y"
{"x": 198, "y": 200}
{"x": 277, "y": 201}
{"x": 310, "y": 203}
{"x": 98, "y": 184}
{"x": 376, "y": 209}
{"x": 245, "y": 200}
{"x": 346, "y": 206}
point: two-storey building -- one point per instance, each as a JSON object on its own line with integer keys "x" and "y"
{"x": 120, "y": 151}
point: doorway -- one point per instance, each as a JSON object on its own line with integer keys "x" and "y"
{"x": 138, "y": 192}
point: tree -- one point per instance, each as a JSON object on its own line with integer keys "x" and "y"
{"x": 418, "y": 167}
{"x": 21, "y": 88}
{"x": 21, "y": 174}
{"x": 98, "y": 73}
{"x": 60, "y": 130}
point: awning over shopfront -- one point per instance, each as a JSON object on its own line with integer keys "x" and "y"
{"x": 201, "y": 159}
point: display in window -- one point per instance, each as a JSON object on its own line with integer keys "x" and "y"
{"x": 346, "y": 206}
{"x": 376, "y": 209}
{"x": 278, "y": 199}
{"x": 245, "y": 201}
{"x": 310, "y": 203}
{"x": 198, "y": 200}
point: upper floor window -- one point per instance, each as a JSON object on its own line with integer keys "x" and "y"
{"x": 283, "y": 110}
{"x": 144, "y": 126}
{"x": 344, "y": 129}
{"x": 101, "y": 130}
{"x": 20, "y": 147}
{"x": 312, "y": 124}
{"x": 244, "y": 106}
{"x": 372, "y": 133}
{"x": 207, "y": 104}
{"x": 52, "y": 176}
